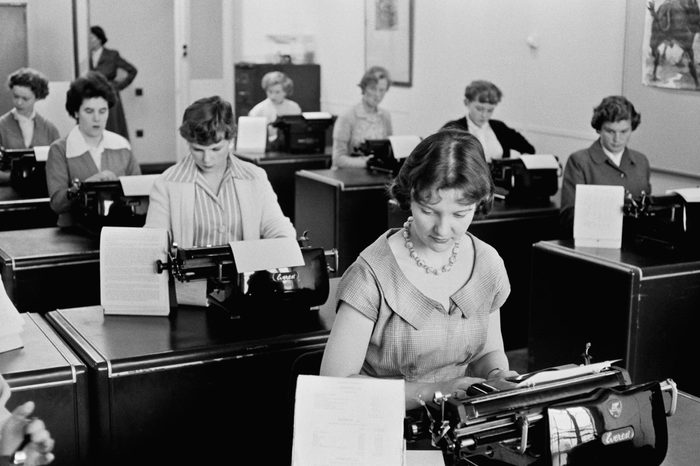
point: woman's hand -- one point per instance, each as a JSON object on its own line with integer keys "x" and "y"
{"x": 39, "y": 449}
{"x": 104, "y": 175}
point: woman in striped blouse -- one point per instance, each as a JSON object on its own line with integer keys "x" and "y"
{"x": 211, "y": 197}
{"x": 422, "y": 303}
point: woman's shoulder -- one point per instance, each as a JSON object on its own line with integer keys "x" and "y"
{"x": 637, "y": 157}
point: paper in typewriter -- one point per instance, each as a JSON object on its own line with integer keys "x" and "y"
{"x": 344, "y": 421}
{"x": 598, "y": 216}
{"x": 11, "y": 323}
{"x": 129, "y": 282}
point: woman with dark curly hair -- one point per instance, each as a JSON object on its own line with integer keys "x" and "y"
{"x": 23, "y": 127}
{"x": 211, "y": 197}
{"x": 422, "y": 303}
{"x": 89, "y": 152}
{"x": 608, "y": 161}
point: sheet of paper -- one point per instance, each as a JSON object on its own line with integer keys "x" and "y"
{"x": 598, "y": 216}
{"x": 129, "y": 282}
{"x": 10, "y": 320}
{"x": 252, "y": 134}
{"x": 424, "y": 458}
{"x": 264, "y": 254}
{"x": 41, "y": 153}
{"x": 561, "y": 374}
{"x": 537, "y": 161}
{"x": 689, "y": 194}
{"x": 4, "y": 396}
{"x": 137, "y": 185}
{"x": 403, "y": 145}
{"x": 192, "y": 293}
{"x": 317, "y": 115}
{"x": 343, "y": 421}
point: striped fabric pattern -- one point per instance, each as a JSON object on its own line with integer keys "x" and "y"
{"x": 217, "y": 217}
{"x": 414, "y": 337}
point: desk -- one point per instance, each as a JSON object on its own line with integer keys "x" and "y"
{"x": 47, "y": 372}
{"x": 281, "y": 167}
{"x": 512, "y": 229}
{"x": 49, "y": 268}
{"x": 344, "y": 209}
{"x": 17, "y": 213}
{"x": 162, "y": 386}
{"x": 640, "y": 306}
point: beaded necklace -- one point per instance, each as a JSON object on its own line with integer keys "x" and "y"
{"x": 420, "y": 262}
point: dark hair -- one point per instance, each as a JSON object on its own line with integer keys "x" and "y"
{"x": 448, "y": 159}
{"x": 483, "y": 91}
{"x": 615, "y": 108}
{"x": 372, "y": 77}
{"x": 277, "y": 77}
{"x": 206, "y": 119}
{"x": 92, "y": 84}
{"x": 99, "y": 33}
{"x": 32, "y": 79}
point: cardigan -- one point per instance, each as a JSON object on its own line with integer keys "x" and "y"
{"x": 172, "y": 199}
{"x": 11, "y": 137}
{"x": 507, "y": 136}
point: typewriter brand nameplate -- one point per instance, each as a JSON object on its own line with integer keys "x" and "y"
{"x": 617, "y": 435}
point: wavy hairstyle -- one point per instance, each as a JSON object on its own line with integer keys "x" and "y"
{"x": 207, "y": 121}
{"x": 615, "y": 108}
{"x": 448, "y": 159}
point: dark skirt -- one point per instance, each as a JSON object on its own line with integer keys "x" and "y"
{"x": 116, "y": 122}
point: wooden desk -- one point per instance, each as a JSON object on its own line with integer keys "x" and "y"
{"x": 17, "y": 213}
{"x": 161, "y": 387}
{"x": 48, "y": 268}
{"x": 640, "y": 306}
{"x": 344, "y": 209}
{"x": 47, "y": 372}
{"x": 511, "y": 230}
{"x": 281, "y": 167}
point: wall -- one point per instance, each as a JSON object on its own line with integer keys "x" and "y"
{"x": 549, "y": 91}
{"x": 143, "y": 33}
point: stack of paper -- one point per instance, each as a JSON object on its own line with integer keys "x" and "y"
{"x": 11, "y": 323}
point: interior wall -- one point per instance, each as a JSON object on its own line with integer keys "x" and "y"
{"x": 143, "y": 33}
{"x": 550, "y": 87}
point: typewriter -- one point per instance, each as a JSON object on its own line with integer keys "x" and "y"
{"x": 586, "y": 415}
{"x": 522, "y": 184}
{"x": 382, "y": 156}
{"x": 295, "y": 288}
{"x": 27, "y": 175}
{"x": 305, "y": 133}
{"x": 102, "y": 203}
{"x": 668, "y": 222}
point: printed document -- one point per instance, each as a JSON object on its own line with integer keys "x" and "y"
{"x": 598, "y": 216}
{"x": 129, "y": 282}
{"x": 348, "y": 420}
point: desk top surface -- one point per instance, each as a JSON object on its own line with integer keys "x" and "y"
{"x": 38, "y": 243}
{"x": 348, "y": 177}
{"x": 648, "y": 262}
{"x": 277, "y": 156}
{"x": 43, "y": 359}
{"x": 187, "y": 334}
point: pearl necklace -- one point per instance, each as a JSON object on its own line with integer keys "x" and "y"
{"x": 420, "y": 262}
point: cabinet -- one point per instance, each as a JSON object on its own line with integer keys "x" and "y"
{"x": 306, "y": 78}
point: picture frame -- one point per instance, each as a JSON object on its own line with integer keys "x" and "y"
{"x": 389, "y": 38}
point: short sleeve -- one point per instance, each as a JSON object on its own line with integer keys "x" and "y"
{"x": 360, "y": 289}
{"x": 502, "y": 285}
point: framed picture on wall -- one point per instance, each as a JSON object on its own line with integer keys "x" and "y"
{"x": 389, "y": 38}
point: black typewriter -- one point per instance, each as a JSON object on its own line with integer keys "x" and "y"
{"x": 667, "y": 222}
{"x": 299, "y": 134}
{"x": 97, "y": 204}
{"x": 522, "y": 185}
{"x": 294, "y": 288}
{"x": 27, "y": 175}
{"x": 581, "y": 417}
{"x": 381, "y": 156}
